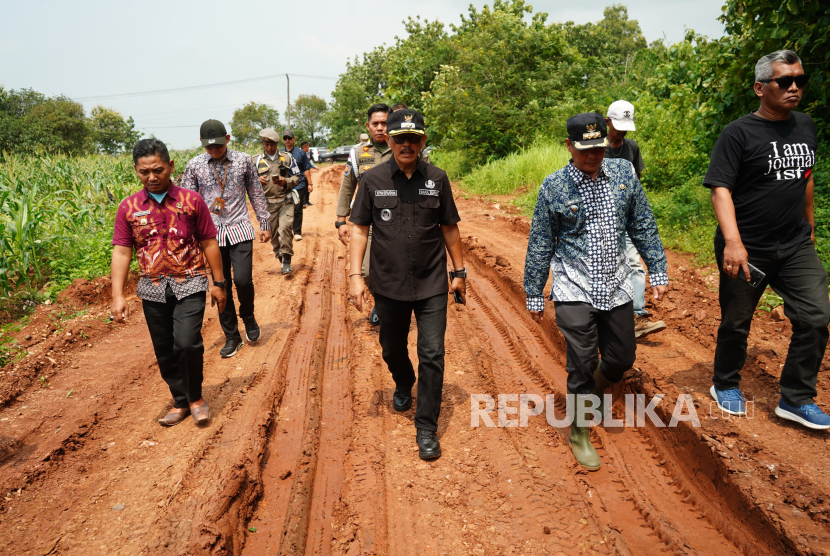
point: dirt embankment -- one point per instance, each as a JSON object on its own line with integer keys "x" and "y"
{"x": 305, "y": 454}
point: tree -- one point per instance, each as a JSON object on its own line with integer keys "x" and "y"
{"x": 252, "y": 118}
{"x": 361, "y": 85}
{"x": 308, "y": 112}
{"x": 755, "y": 28}
{"x": 412, "y": 64}
{"x": 29, "y": 121}
{"x": 110, "y": 132}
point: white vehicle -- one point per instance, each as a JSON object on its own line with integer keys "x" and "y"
{"x": 316, "y": 152}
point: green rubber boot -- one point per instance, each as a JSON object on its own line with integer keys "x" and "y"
{"x": 601, "y": 383}
{"x": 580, "y": 441}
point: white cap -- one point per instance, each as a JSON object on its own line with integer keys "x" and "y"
{"x": 621, "y": 114}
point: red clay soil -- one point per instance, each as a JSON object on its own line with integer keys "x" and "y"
{"x": 305, "y": 454}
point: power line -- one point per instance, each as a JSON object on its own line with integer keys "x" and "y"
{"x": 169, "y": 126}
{"x": 185, "y": 111}
{"x": 198, "y": 87}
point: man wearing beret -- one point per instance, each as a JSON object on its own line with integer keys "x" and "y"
{"x": 582, "y": 214}
{"x": 410, "y": 207}
{"x": 279, "y": 175}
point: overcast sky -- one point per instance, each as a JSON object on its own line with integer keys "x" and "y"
{"x": 89, "y": 48}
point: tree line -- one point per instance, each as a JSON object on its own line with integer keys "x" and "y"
{"x": 31, "y": 122}
{"x": 506, "y": 78}
{"x": 307, "y": 113}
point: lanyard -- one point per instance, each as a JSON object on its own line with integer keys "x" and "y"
{"x": 223, "y": 180}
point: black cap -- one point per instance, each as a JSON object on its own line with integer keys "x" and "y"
{"x": 587, "y": 131}
{"x": 405, "y": 121}
{"x": 213, "y": 132}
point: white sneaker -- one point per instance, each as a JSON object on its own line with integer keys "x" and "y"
{"x": 298, "y": 237}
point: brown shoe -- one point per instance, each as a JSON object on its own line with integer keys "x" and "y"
{"x": 643, "y": 327}
{"x": 201, "y": 414}
{"x": 174, "y": 417}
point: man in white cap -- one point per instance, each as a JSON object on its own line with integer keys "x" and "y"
{"x": 620, "y": 120}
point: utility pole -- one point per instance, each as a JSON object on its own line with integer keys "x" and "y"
{"x": 288, "y": 108}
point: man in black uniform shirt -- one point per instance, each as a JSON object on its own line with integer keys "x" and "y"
{"x": 410, "y": 206}
{"x": 761, "y": 179}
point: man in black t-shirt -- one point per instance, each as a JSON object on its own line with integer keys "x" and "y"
{"x": 761, "y": 179}
{"x": 620, "y": 120}
{"x": 410, "y": 206}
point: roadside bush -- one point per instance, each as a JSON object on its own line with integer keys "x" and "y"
{"x": 686, "y": 219}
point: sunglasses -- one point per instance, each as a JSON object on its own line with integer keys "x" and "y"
{"x": 402, "y": 138}
{"x": 787, "y": 81}
{"x": 287, "y": 138}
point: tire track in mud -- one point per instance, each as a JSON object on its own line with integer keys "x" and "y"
{"x": 290, "y": 472}
{"x": 631, "y": 496}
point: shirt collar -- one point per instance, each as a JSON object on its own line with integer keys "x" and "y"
{"x": 272, "y": 158}
{"x": 420, "y": 166}
{"x": 380, "y": 149}
{"x": 172, "y": 192}
{"x": 229, "y": 156}
{"x": 579, "y": 176}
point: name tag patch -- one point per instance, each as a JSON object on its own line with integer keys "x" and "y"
{"x": 142, "y": 213}
{"x": 432, "y": 192}
{"x": 386, "y": 193}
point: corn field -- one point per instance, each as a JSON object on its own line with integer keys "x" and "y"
{"x": 56, "y": 216}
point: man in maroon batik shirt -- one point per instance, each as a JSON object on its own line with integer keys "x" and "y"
{"x": 172, "y": 233}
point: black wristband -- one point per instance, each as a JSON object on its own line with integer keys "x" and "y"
{"x": 221, "y": 283}
{"x": 338, "y": 224}
{"x": 460, "y": 273}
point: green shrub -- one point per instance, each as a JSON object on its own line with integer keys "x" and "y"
{"x": 686, "y": 219}
{"x": 518, "y": 171}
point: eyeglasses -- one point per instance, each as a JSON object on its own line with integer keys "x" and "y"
{"x": 402, "y": 138}
{"x": 786, "y": 81}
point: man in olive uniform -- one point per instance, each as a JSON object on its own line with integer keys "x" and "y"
{"x": 279, "y": 175}
{"x": 410, "y": 206}
{"x": 362, "y": 157}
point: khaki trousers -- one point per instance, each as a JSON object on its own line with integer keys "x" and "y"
{"x": 365, "y": 268}
{"x": 282, "y": 226}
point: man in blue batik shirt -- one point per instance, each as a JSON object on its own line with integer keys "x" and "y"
{"x": 582, "y": 215}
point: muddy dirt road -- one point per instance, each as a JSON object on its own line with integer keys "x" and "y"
{"x": 305, "y": 454}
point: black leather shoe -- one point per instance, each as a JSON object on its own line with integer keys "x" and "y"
{"x": 402, "y": 400}
{"x": 428, "y": 445}
{"x": 232, "y": 345}
{"x": 286, "y": 265}
{"x": 374, "y": 319}
{"x": 252, "y": 331}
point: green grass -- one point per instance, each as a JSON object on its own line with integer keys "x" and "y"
{"x": 519, "y": 171}
{"x": 56, "y": 222}
{"x": 684, "y": 214}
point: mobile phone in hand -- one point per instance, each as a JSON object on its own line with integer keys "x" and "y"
{"x": 755, "y": 275}
{"x": 455, "y": 295}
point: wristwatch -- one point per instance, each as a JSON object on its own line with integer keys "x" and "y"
{"x": 460, "y": 273}
{"x": 338, "y": 224}
{"x": 220, "y": 284}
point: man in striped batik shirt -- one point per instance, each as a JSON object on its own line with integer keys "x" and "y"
{"x": 223, "y": 177}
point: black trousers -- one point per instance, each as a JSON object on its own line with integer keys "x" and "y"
{"x": 431, "y": 318}
{"x": 298, "y": 210}
{"x": 240, "y": 258}
{"x": 797, "y": 275}
{"x": 176, "y": 332}
{"x": 587, "y": 329}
